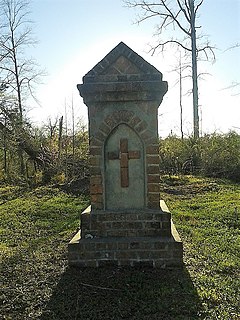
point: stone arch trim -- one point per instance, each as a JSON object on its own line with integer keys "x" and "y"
{"x": 127, "y": 117}
{"x": 150, "y": 143}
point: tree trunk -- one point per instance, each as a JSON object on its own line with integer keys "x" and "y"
{"x": 73, "y": 141}
{"x": 180, "y": 96}
{"x": 60, "y": 139}
{"x": 5, "y": 150}
{"x": 66, "y": 143}
{"x": 19, "y": 97}
{"x": 194, "y": 71}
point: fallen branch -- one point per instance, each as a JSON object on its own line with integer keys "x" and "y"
{"x": 98, "y": 287}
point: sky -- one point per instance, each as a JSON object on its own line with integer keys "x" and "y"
{"x": 74, "y": 35}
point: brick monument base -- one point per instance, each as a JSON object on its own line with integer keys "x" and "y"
{"x": 126, "y": 239}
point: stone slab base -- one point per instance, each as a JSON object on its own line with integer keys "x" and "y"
{"x": 154, "y": 251}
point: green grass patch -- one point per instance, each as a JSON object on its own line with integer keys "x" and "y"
{"x": 42, "y": 215}
{"x": 37, "y": 284}
{"x": 207, "y": 215}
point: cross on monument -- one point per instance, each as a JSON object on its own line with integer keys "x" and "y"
{"x": 124, "y": 155}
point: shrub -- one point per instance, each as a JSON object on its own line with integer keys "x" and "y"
{"x": 179, "y": 155}
{"x": 220, "y": 155}
{"x": 214, "y": 155}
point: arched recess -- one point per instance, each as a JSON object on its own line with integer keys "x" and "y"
{"x": 124, "y": 169}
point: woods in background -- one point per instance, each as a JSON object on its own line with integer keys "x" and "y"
{"x": 57, "y": 153}
{"x": 54, "y": 153}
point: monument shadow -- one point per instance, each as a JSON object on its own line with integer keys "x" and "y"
{"x": 123, "y": 293}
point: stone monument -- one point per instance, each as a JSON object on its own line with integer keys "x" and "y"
{"x": 126, "y": 224}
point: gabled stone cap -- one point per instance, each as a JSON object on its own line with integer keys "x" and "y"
{"x": 122, "y": 76}
{"x": 136, "y": 68}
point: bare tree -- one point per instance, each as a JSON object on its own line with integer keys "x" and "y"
{"x": 182, "y": 70}
{"x": 178, "y": 18}
{"x": 17, "y": 70}
{"x": 180, "y": 96}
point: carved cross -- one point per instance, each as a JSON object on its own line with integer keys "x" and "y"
{"x": 124, "y": 155}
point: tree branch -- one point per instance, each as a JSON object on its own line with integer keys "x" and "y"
{"x": 175, "y": 18}
{"x": 187, "y": 16}
{"x": 207, "y": 48}
{"x": 197, "y": 7}
{"x": 168, "y": 42}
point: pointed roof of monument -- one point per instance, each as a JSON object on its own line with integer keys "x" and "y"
{"x": 121, "y": 64}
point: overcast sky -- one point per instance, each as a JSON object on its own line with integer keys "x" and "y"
{"x": 74, "y": 35}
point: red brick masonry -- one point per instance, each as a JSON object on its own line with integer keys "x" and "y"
{"x": 110, "y": 239}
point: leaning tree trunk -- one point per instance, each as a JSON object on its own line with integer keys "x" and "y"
{"x": 42, "y": 157}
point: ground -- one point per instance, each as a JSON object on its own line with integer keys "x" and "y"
{"x": 37, "y": 283}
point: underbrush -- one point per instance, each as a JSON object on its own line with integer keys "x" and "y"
{"x": 213, "y": 155}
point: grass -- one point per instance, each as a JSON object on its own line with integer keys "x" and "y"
{"x": 37, "y": 284}
{"x": 207, "y": 215}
